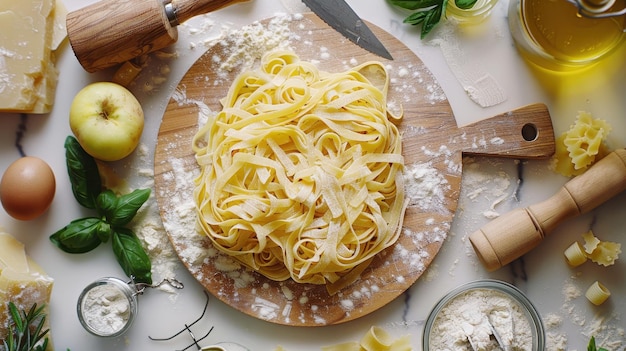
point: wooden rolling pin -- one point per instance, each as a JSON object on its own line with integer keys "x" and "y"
{"x": 512, "y": 235}
{"x": 110, "y": 32}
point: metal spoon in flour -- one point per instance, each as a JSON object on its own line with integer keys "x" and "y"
{"x": 467, "y": 330}
{"x": 505, "y": 345}
{"x": 499, "y": 339}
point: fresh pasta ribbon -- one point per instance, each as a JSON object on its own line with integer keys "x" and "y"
{"x": 301, "y": 171}
{"x": 376, "y": 339}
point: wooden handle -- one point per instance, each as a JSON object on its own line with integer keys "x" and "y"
{"x": 525, "y": 132}
{"x": 512, "y": 235}
{"x": 110, "y": 32}
{"x": 186, "y": 9}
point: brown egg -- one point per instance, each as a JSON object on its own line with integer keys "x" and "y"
{"x": 27, "y": 188}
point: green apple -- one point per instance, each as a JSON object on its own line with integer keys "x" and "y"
{"x": 107, "y": 120}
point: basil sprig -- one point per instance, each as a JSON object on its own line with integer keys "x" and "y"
{"x": 429, "y": 12}
{"x": 114, "y": 212}
{"x": 592, "y": 345}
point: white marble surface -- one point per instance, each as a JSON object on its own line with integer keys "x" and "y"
{"x": 542, "y": 274}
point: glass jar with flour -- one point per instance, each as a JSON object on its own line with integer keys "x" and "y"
{"x": 484, "y": 315}
{"x": 107, "y": 307}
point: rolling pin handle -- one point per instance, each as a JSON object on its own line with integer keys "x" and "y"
{"x": 506, "y": 238}
{"x": 111, "y": 32}
{"x": 514, "y": 234}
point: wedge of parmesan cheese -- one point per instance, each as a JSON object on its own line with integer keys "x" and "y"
{"x": 30, "y": 32}
{"x": 22, "y": 281}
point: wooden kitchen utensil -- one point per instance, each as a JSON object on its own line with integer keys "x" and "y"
{"x": 110, "y": 32}
{"x": 431, "y": 139}
{"x": 512, "y": 235}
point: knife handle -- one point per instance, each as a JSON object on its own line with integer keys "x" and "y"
{"x": 512, "y": 235}
{"x": 110, "y": 32}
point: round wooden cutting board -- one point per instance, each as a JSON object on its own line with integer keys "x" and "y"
{"x": 432, "y": 143}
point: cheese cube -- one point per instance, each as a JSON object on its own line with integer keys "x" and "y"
{"x": 29, "y": 32}
{"x": 22, "y": 281}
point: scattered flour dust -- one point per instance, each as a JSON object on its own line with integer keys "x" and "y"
{"x": 481, "y": 87}
{"x": 147, "y": 224}
{"x": 606, "y": 327}
{"x": 247, "y": 45}
{"x": 481, "y": 184}
{"x": 425, "y": 186}
{"x": 555, "y": 340}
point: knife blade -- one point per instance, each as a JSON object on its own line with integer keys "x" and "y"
{"x": 340, "y": 16}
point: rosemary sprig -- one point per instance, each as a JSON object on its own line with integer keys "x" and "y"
{"x": 26, "y": 329}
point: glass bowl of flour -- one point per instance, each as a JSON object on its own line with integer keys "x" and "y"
{"x": 485, "y": 315}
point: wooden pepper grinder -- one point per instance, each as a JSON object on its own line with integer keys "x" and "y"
{"x": 512, "y": 235}
{"x": 110, "y": 32}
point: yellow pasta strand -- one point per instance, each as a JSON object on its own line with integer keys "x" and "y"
{"x": 376, "y": 339}
{"x": 301, "y": 171}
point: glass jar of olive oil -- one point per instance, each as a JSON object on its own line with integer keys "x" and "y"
{"x": 564, "y": 35}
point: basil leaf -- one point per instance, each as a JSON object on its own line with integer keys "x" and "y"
{"x": 106, "y": 203}
{"x": 415, "y": 4}
{"x": 465, "y": 4}
{"x": 127, "y": 206}
{"x": 592, "y": 345}
{"x": 432, "y": 18}
{"x": 428, "y": 13}
{"x": 104, "y": 231}
{"x": 131, "y": 255}
{"x": 83, "y": 173}
{"x": 79, "y": 236}
{"x": 416, "y": 18}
